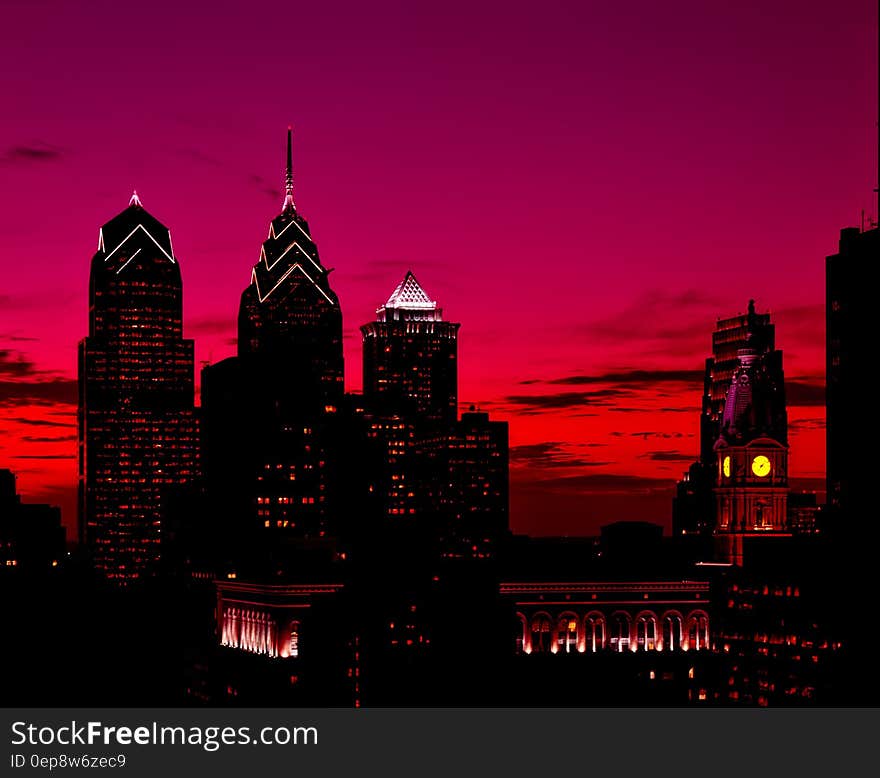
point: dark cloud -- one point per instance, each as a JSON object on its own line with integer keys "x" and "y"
{"x": 669, "y": 456}
{"x": 26, "y": 154}
{"x": 650, "y": 434}
{"x": 59, "y": 439}
{"x": 628, "y": 378}
{"x": 41, "y": 422}
{"x": 800, "y": 425}
{"x": 211, "y": 325}
{"x": 552, "y": 454}
{"x": 45, "y": 456}
{"x": 537, "y": 403}
{"x": 21, "y": 381}
{"x": 682, "y": 409}
{"x": 15, "y": 365}
{"x": 805, "y": 392}
{"x": 605, "y": 483}
{"x": 52, "y": 391}
{"x": 263, "y": 185}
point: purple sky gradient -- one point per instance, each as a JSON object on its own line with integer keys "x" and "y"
{"x": 585, "y": 186}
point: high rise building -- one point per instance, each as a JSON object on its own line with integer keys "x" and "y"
{"x": 32, "y": 538}
{"x": 851, "y": 552}
{"x": 751, "y": 483}
{"x": 465, "y": 472}
{"x": 410, "y": 356}
{"x": 288, "y": 312}
{"x": 849, "y": 332}
{"x": 693, "y": 511}
{"x": 410, "y": 387}
{"x": 136, "y": 422}
{"x": 731, "y": 335}
{"x": 278, "y": 434}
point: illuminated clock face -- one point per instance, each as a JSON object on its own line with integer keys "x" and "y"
{"x": 725, "y": 467}
{"x": 761, "y": 466}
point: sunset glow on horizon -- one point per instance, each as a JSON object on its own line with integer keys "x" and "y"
{"x": 585, "y": 189}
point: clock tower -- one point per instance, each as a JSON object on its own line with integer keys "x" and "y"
{"x": 751, "y": 479}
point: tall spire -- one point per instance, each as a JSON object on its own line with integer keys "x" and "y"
{"x": 135, "y": 200}
{"x": 288, "y": 178}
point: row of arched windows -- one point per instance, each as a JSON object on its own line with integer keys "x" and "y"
{"x": 257, "y": 632}
{"x": 569, "y": 633}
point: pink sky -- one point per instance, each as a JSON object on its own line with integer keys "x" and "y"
{"x": 586, "y": 187}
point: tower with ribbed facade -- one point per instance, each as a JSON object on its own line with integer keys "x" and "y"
{"x": 411, "y": 356}
{"x": 288, "y": 311}
{"x": 136, "y": 424}
{"x": 751, "y": 479}
{"x": 274, "y": 430}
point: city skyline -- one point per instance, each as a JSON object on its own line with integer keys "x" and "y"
{"x": 586, "y": 416}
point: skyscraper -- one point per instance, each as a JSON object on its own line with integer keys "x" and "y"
{"x": 693, "y": 511}
{"x": 751, "y": 483}
{"x": 410, "y": 387}
{"x": 731, "y": 335}
{"x": 288, "y": 312}
{"x": 851, "y": 474}
{"x": 850, "y": 325}
{"x": 136, "y": 423}
{"x": 410, "y": 356}
{"x": 275, "y": 423}
{"x": 465, "y": 471}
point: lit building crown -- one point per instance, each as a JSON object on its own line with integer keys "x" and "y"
{"x": 289, "y": 253}
{"x": 130, "y": 232}
{"x": 755, "y": 404}
{"x": 409, "y": 301}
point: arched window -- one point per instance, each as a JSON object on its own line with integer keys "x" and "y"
{"x": 672, "y": 631}
{"x": 620, "y": 631}
{"x": 594, "y": 632}
{"x": 567, "y": 633}
{"x": 697, "y": 630}
{"x": 521, "y": 636}
{"x": 540, "y": 633}
{"x": 294, "y": 639}
{"x": 761, "y": 514}
{"x": 646, "y": 631}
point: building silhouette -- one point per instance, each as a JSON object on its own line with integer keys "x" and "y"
{"x": 281, "y": 440}
{"x": 730, "y": 335}
{"x": 751, "y": 482}
{"x": 32, "y": 539}
{"x": 136, "y": 423}
{"x": 849, "y": 323}
{"x": 848, "y": 520}
{"x": 693, "y": 510}
{"x": 289, "y": 313}
{"x": 464, "y": 471}
{"x": 410, "y": 356}
{"x": 410, "y": 380}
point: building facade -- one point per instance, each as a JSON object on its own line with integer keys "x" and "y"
{"x": 137, "y": 436}
{"x": 849, "y": 369}
{"x": 411, "y": 356}
{"x": 32, "y": 538}
{"x": 731, "y": 335}
{"x": 464, "y": 472}
{"x": 751, "y": 482}
{"x": 281, "y": 439}
{"x": 289, "y": 312}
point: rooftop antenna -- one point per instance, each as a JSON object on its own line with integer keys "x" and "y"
{"x": 288, "y": 176}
